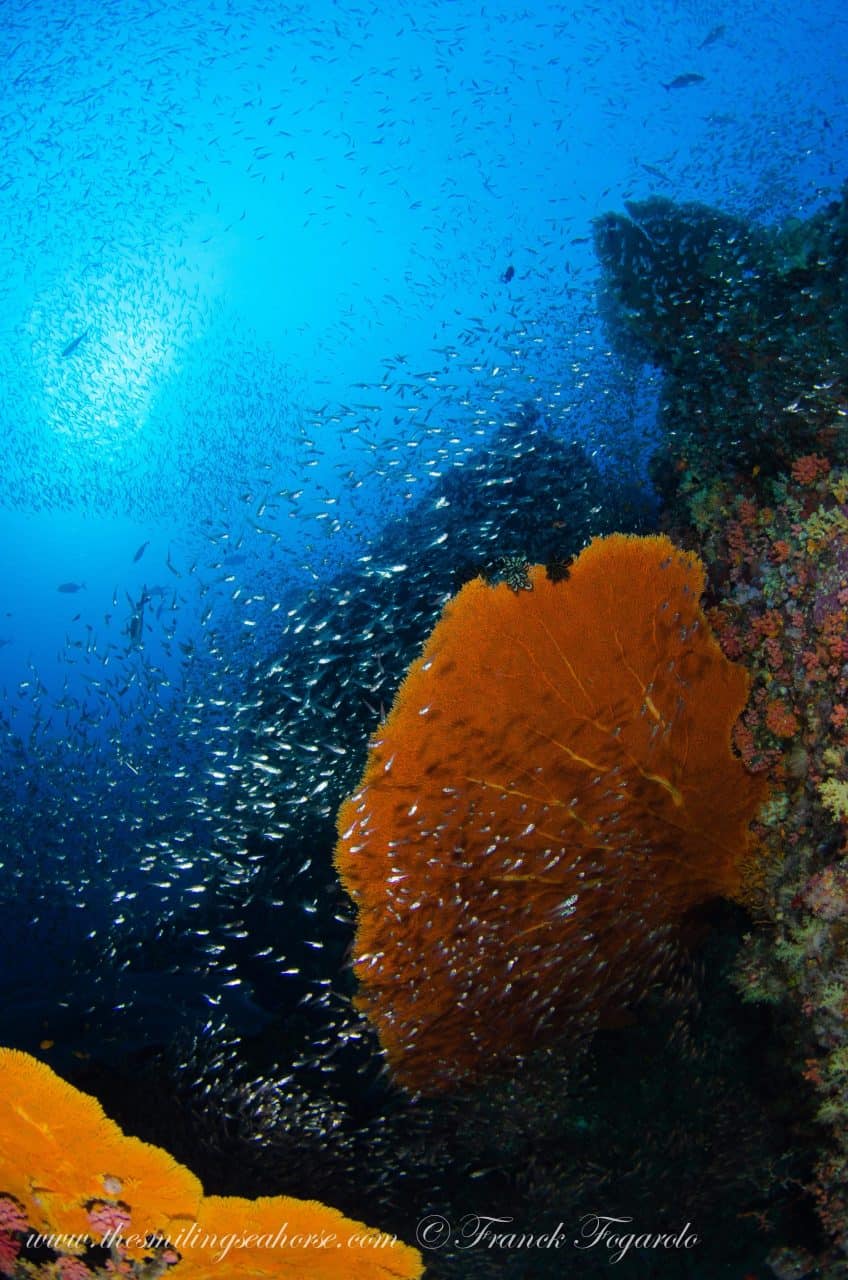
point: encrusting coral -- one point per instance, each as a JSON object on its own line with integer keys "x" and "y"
{"x": 100, "y": 1204}
{"x": 778, "y": 556}
{"x": 748, "y": 324}
{"x": 552, "y": 792}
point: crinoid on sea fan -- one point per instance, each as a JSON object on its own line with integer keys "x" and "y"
{"x": 553, "y": 790}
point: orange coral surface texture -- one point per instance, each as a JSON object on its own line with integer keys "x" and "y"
{"x": 59, "y": 1153}
{"x": 553, "y": 789}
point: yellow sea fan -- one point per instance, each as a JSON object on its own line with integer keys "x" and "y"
{"x": 59, "y": 1151}
{"x": 279, "y": 1238}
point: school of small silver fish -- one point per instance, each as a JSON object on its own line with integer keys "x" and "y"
{"x": 313, "y": 476}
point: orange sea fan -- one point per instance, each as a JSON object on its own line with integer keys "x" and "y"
{"x": 552, "y": 791}
{"x": 60, "y": 1155}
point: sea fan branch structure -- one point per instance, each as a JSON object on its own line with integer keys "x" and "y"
{"x": 100, "y": 1204}
{"x": 553, "y": 790}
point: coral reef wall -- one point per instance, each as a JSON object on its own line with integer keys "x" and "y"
{"x": 749, "y": 326}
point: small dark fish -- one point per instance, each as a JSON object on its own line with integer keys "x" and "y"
{"x": 140, "y": 552}
{"x": 70, "y": 588}
{"x": 715, "y": 34}
{"x": 656, "y": 173}
{"x": 684, "y": 81}
{"x": 508, "y": 274}
{"x": 135, "y": 629}
{"x": 74, "y": 343}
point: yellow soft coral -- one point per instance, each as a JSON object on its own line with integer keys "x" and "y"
{"x": 834, "y": 797}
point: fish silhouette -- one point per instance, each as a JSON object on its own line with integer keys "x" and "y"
{"x": 684, "y": 81}
{"x": 74, "y": 343}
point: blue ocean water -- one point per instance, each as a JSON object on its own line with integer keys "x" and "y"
{"x": 280, "y": 237}
{"x": 274, "y": 276}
